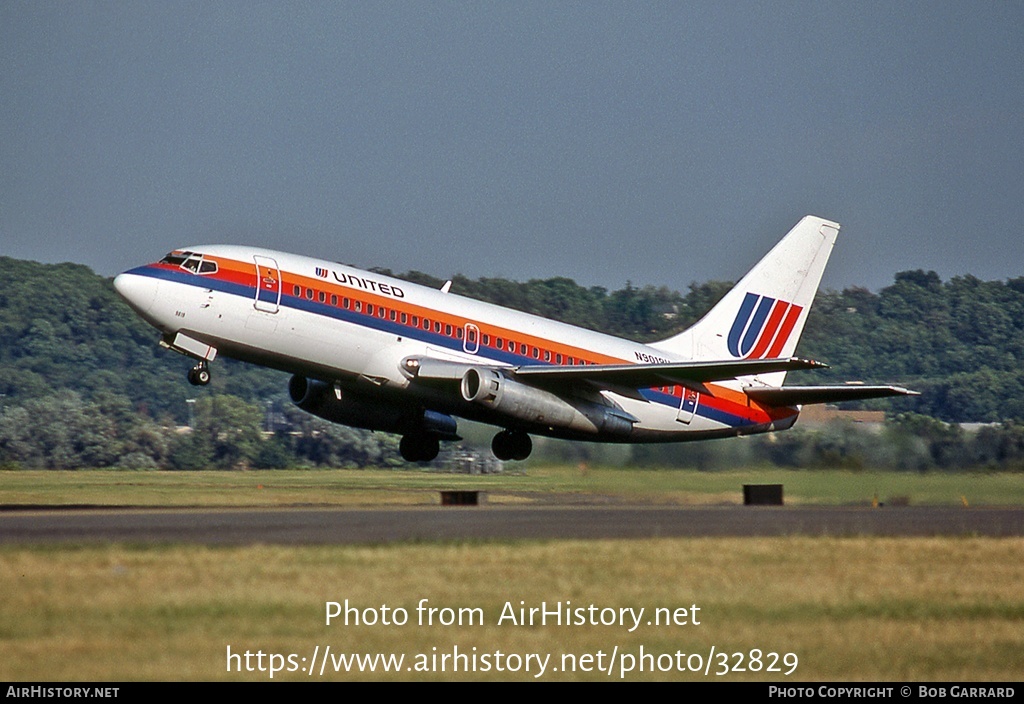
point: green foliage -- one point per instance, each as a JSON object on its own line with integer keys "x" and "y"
{"x": 909, "y": 442}
{"x": 274, "y": 453}
{"x": 62, "y": 327}
{"x": 191, "y": 451}
{"x": 62, "y": 431}
{"x": 960, "y": 342}
{"x": 1001, "y": 446}
{"x": 319, "y": 443}
{"x": 229, "y": 428}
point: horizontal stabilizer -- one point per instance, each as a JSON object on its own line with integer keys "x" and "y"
{"x": 643, "y": 376}
{"x": 803, "y": 395}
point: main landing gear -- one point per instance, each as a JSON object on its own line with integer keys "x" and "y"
{"x": 511, "y": 445}
{"x": 199, "y": 375}
{"x": 419, "y": 447}
{"x": 507, "y": 445}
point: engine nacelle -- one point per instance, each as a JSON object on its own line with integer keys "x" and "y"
{"x": 342, "y": 406}
{"x": 492, "y": 389}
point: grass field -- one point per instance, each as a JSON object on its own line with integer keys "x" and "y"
{"x": 911, "y": 609}
{"x": 849, "y": 609}
{"x": 541, "y": 484}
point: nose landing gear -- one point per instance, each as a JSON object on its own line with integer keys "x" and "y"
{"x": 199, "y": 375}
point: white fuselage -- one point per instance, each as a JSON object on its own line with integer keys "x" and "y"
{"x": 356, "y": 329}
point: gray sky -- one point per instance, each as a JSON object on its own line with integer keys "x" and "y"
{"x": 658, "y": 143}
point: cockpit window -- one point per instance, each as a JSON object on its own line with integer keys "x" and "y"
{"x": 176, "y": 258}
{"x": 190, "y": 261}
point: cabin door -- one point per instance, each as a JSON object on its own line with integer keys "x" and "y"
{"x": 687, "y": 405}
{"x": 268, "y": 284}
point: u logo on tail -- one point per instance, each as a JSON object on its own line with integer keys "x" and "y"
{"x": 762, "y": 327}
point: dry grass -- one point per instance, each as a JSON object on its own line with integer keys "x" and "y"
{"x": 851, "y": 609}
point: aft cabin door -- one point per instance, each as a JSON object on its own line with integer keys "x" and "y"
{"x": 268, "y": 284}
{"x": 687, "y": 405}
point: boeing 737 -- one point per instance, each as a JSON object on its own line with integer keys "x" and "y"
{"x": 375, "y": 352}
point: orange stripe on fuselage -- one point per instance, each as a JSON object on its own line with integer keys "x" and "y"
{"x": 457, "y": 322}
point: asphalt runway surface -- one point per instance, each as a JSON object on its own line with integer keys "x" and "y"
{"x": 336, "y": 526}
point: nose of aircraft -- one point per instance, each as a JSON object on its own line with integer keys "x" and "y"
{"x": 138, "y": 291}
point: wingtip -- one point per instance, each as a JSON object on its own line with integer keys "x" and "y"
{"x": 811, "y": 363}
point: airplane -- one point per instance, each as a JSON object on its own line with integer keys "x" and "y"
{"x": 375, "y": 352}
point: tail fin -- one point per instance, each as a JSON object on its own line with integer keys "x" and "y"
{"x": 763, "y": 316}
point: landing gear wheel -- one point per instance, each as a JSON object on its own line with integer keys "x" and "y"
{"x": 199, "y": 375}
{"x": 511, "y": 445}
{"x": 523, "y": 446}
{"x": 419, "y": 447}
{"x": 501, "y": 446}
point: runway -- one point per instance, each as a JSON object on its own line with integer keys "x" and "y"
{"x": 298, "y": 526}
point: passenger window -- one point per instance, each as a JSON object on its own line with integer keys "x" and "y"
{"x": 323, "y": 297}
{"x": 334, "y": 299}
{"x": 309, "y": 293}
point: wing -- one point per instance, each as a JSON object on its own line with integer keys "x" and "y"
{"x": 626, "y": 379}
{"x": 615, "y": 377}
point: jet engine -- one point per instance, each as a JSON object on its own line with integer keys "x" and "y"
{"x": 494, "y": 390}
